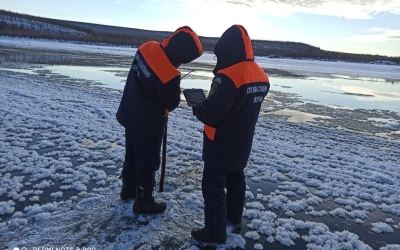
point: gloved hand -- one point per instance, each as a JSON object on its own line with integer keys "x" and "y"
{"x": 195, "y": 107}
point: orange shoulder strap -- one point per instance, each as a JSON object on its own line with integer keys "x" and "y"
{"x": 244, "y": 73}
{"x": 158, "y": 61}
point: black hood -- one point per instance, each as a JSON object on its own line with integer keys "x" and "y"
{"x": 182, "y": 46}
{"x": 233, "y": 47}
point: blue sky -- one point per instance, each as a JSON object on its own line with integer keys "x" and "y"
{"x": 355, "y": 26}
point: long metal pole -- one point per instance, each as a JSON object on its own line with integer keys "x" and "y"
{"x": 164, "y": 152}
{"x": 163, "y": 162}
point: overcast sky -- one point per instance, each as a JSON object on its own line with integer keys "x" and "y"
{"x": 355, "y": 26}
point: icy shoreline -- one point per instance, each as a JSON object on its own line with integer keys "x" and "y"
{"x": 298, "y": 67}
{"x": 61, "y": 150}
{"x": 309, "y": 186}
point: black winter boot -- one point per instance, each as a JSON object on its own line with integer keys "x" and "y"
{"x": 128, "y": 190}
{"x": 145, "y": 203}
{"x": 204, "y": 235}
{"x": 236, "y": 226}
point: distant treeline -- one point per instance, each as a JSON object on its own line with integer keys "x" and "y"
{"x": 66, "y": 24}
{"x": 301, "y": 50}
{"x": 18, "y": 30}
{"x": 9, "y": 26}
{"x": 14, "y": 30}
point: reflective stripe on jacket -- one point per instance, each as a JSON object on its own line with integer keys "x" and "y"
{"x": 152, "y": 88}
{"x": 230, "y": 115}
{"x": 231, "y": 111}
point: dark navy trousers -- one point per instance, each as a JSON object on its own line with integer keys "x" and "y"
{"x": 218, "y": 205}
{"x": 142, "y": 158}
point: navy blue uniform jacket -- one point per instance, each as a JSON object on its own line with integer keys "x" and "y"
{"x": 231, "y": 110}
{"x": 152, "y": 87}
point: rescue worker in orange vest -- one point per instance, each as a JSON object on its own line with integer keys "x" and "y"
{"x": 152, "y": 90}
{"x": 229, "y": 114}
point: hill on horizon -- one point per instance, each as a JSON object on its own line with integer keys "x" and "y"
{"x": 22, "y": 25}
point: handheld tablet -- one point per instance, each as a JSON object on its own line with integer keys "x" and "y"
{"x": 193, "y": 96}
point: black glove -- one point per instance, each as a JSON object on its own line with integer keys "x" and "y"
{"x": 195, "y": 107}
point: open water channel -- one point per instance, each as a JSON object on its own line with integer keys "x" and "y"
{"x": 362, "y": 105}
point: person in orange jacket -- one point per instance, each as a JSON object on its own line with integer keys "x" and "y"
{"x": 152, "y": 90}
{"x": 229, "y": 114}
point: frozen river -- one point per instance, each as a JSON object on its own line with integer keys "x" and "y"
{"x": 323, "y": 173}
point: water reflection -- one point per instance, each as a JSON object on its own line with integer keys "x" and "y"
{"x": 351, "y": 93}
{"x": 109, "y": 77}
{"x": 346, "y": 92}
{"x": 199, "y": 84}
{"x": 35, "y": 58}
{"x": 368, "y": 79}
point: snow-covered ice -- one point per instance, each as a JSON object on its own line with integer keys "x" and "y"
{"x": 61, "y": 152}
